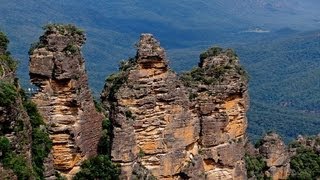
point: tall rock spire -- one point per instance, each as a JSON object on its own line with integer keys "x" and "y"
{"x": 63, "y": 97}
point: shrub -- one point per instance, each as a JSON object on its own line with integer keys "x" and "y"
{"x": 127, "y": 64}
{"x": 4, "y": 41}
{"x": 64, "y": 28}
{"x": 41, "y": 143}
{"x": 34, "y": 46}
{"x": 115, "y": 81}
{"x": 256, "y": 167}
{"x": 8, "y": 93}
{"x": 213, "y": 51}
{"x": 4, "y": 146}
{"x": 71, "y": 48}
{"x": 7, "y": 61}
{"x": 11, "y": 160}
{"x": 99, "y": 167}
{"x": 104, "y": 146}
{"x": 18, "y": 165}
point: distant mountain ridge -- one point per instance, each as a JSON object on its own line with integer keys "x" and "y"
{"x": 186, "y": 28}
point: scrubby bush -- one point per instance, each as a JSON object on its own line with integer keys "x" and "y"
{"x": 99, "y": 167}
{"x": 41, "y": 143}
{"x": 256, "y": 167}
{"x": 213, "y": 51}
{"x": 4, "y": 41}
{"x": 104, "y": 146}
{"x": 64, "y": 28}
{"x": 10, "y": 160}
{"x": 71, "y": 48}
{"x": 4, "y": 146}
{"x": 8, "y": 93}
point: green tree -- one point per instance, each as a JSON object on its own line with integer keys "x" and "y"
{"x": 305, "y": 164}
{"x": 100, "y": 168}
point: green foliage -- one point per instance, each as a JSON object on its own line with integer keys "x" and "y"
{"x": 64, "y": 29}
{"x": 71, "y": 48}
{"x": 8, "y": 93}
{"x": 35, "y": 118}
{"x": 104, "y": 146}
{"x": 60, "y": 177}
{"x": 41, "y": 143}
{"x": 41, "y": 146}
{"x": 207, "y": 75}
{"x": 4, "y": 41}
{"x": 97, "y": 105}
{"x": 213, "y": 51}
{"x": 256, "y": 167}
{"x": 11, "y": 160}
{"x": 127, "y": 64}
{"x": 141, "y": 153}
{"x": 129, "y": 115}
{"x": 18, "y": 164}
{"x": 7, "y": 64}
{"x": 305, "y": 164}
{"x": 34, "y": 46}
{"x": 115, "y": 81}
{"x": 99, "y": 167}
{"x": 4, "y": 145}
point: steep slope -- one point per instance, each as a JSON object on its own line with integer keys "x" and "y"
{"x": 15, "y": 127}
{"x": 168, "y": 130}
{"x": 63, "y": 97}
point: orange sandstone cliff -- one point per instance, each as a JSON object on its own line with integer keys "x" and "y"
{"x": 63, "y": 97}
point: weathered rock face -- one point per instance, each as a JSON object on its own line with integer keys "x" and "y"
{"x": 218, "y": 92}
{"x": 276, "y": 156}
{"x": 64, "y": 99}
{"x": 178, "y": 127}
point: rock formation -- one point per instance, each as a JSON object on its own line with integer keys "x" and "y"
{"x": 276, "y": 156}
{"x": 63, "y": 97}
{"x": 269, "y": 159}
{"x": 173, "y": 127}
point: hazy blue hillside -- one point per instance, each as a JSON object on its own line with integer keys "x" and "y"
{"x": 285, "y": 84}
{"x": 264, "y": 32}
{"x": 113, "y": 26}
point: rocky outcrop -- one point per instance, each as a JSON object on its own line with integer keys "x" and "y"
{"x": 178, "y": 127}
{"x": 276, "y": 156}
{"x": 270, "y": 159}
{"x": 63, "y": 97}
{"x": 312, "y": 142}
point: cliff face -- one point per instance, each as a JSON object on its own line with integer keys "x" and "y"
{"x": 178, "y": 127}
{"x": 14, "y": 121}
{"x": 63, "y": 97}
